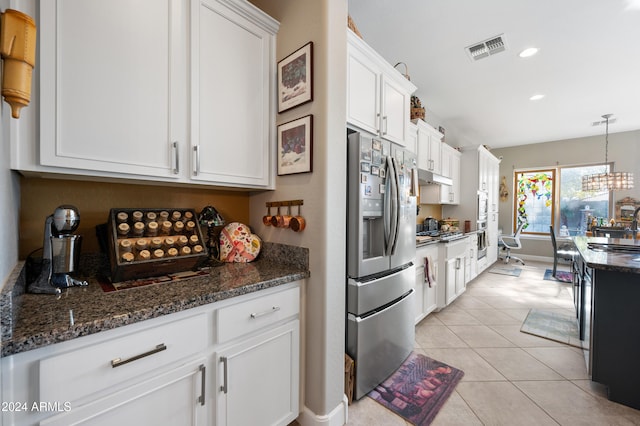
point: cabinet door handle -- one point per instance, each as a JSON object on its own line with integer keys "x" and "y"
{"x": 117, "y": 362}
{"x": 223, "y": 360}
{"x": 196, "y": 150}
{"x": 203, "y": 370}
{"x": 384, "y": 122}
{"x": 260, "y": 314}
{"x": 176, "y": 156}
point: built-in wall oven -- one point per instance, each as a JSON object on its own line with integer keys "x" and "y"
{"x": 482, "y": 239}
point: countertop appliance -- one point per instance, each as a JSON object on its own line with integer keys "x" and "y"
{"x": 430, "y": 224}
{"x": 61, "y": 252}
{"x": 381, "y": 253}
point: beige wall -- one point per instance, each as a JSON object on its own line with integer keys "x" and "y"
{"x": 40, "y": 197}
{"x": 323, "y": 191}
{"x": 624, "y": 152}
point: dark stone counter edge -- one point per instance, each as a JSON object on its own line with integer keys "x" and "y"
{"x": 11, "y": 299}
{"x": 39, "y": 340}
{"x": 611, "y": 262}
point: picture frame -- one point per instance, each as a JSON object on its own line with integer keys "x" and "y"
{"x": 295, "y": 146}
{"x": 295, "y": 78}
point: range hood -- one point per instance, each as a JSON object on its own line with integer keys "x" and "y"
{"x": 426, "y": 177}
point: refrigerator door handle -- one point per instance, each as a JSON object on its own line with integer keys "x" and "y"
{"x": 395, "y": 207}
{"x": 388, "y": 211}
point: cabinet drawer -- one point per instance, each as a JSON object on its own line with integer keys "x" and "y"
{"x": 254, "y": 314}
{"x": 75, "y": 374}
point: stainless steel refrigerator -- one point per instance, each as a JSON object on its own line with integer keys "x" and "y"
{"x": 381, "y": 249}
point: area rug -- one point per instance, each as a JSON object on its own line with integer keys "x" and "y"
{"x": 418, "y": 389}
{"x": 564, "y": 276}
{"x": 554, "y": 326}
{"x": 506, "y": 270}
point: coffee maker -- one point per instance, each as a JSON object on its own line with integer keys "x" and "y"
{"x": 61, "y": 252}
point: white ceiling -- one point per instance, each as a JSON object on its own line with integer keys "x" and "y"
{"x": 588, "y": 64}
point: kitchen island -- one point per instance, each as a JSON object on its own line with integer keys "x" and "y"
{"x": 607, "y": 280}
{"x": 209, "y": 344}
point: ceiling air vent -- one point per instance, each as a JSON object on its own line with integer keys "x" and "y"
{"x": 488, "y": 47}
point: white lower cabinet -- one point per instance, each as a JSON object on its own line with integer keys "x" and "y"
{"x": 426, "y": 298}
{"x": 174, "y": 397}
{"x": 453, "y": 259}
{"x": 492, "y": 238}
{"x": 258, "y": 379}
{"x": 472, "y": 260}
{"x": 169, "y": 370}
{"x": 454, "y": 278}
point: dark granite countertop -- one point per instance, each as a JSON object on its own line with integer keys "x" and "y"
{"x": 436, "y": 241}
{"x": 31, "y": 321}
{"x": 621, "y": 262}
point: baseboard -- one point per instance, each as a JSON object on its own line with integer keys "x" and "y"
{"x": 337, "y": 417}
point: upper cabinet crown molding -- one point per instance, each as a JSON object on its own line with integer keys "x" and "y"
{"x": 109, "y": 112}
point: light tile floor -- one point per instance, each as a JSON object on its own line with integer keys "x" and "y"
{"x": 511, "y": 378}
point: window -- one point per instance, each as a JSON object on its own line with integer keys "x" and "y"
{"x": 534, "y": 200}
{"x": 538, "y": 193}
{"x": 577, "y": 205}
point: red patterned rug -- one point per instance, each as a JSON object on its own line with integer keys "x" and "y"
{"x": 418, "y": 389}
{"x": 564, "y": 276}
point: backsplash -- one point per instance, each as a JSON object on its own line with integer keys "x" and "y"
{"x": 40, "y": 197}
{"x": 429, "y": 210}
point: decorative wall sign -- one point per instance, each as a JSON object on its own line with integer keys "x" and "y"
{"x": 295, "y": 150}
{"x": 295, "y": 78}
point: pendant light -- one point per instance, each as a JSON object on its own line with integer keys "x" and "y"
{"x": 607, "y": 181}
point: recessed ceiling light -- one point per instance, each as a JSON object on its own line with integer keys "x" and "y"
{"x": 536, "y": 97}
{"x": 528, "y": 52}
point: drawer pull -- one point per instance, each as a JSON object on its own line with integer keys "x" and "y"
{"x": 223, "y": 360}
{"x": 119, "y": 361}
{"x": 260, "y": 314}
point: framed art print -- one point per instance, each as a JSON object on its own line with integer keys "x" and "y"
{"x": 295, "y": 149}
{"x": 295, "y": 78}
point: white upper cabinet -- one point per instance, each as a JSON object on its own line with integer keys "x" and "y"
{"x": 430, "y": 148}
{"x": 395, "y": 113}
{"x": 412, "y": 138}
{"x": 231, "y": 93}
{"x": 106, "y": 106}
{"x": 155, "y": 90}
{"x": 363, "y": 91}
{"x": 445, "y": 194}
{"x": 378, "y": 96}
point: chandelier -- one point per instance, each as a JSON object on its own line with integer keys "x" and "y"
{"x": 607, "y": 181}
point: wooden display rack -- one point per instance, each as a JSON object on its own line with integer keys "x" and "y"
{"x": 123, "y": 271}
